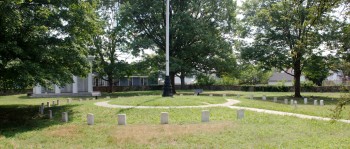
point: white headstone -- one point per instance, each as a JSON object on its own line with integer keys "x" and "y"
{"x": 205, "y": 116}
{"x": 211, "y": 95}
{"x": 295, "y": 103}
{"x": 58, "y": 102}
{"x": 251, "y": 96}
{"x": 305, "y": 100}
{"x": 121, "y": 119}
{"x": 48, "y": 104}
{"x": 285, "y": 101}
{"x": 263, "y": 97}
{"x": 315, "y": 102}
{"x": 240, "y": 113}
{"x": 291, "y": 102}
{"x": 68, "y": 100}
{"x": 164, "y": 118}
{"x": 238, "y": 95}
{"x": 181, "y": 94}
{"x": 42, "y": 107}
{"x": 64, "y": 116}
{"x": 80, "y": 100}
{"x": 321, "y": 103}
{"x": 223, "y": 95}
{"x": 90, "y": 119}
{"x": 53, "y": 103}
{"x": 108, "y": 97}
{"x": 50, "y": 114}
{"x": 274, "y": 99}
{"x": 194, "y": 94}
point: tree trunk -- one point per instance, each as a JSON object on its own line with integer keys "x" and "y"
{"x": 297, "y": 74}
{"x": 172, "y": 78}
{"x": 182, "y": 77}
{"x": 110, "y": 85}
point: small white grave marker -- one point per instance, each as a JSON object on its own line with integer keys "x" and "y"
{"x": 315, "y": 102}
{"x": 295, "y": 103}
{"x": 50, "y": 114}
{"x": 164, "y": 118}
{"x": 285, "y": 101}
{"x": 64, "y": 116}
{"x": 42, "y": 107}
{"x": 263, "y": 97}
{"x": 80, "y": 100}
{"x": 205, "y": 116}
{"x": 238, "y": 95}
{"x": 211, "y": 95}
{"x": 240, "y": 113}
{"x": 121, "y": 119}
{"x": 58, "y": 102}
{"x": 321, "y": 103}
{"x": 305, "y": 100}
{"x": 291, "y": 102}
{"x": 108, "y": 97}
{"x": 181, "y": 94}
{"x": 90, "y": 119}
{"x": 53, "y": 103}
{"x": 274, "y": 99}
{"x": 223, "y": 95}
{"x": 251, "y": 96}
{"x": 48, "y": 104}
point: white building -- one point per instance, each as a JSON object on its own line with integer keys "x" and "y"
{"x": 79, "y": 87}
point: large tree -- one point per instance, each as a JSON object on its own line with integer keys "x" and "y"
{"x": 43, "y": 41}
{"x": 197, "y": 28}
{"x": 286, "y": 33}
{"x": 110, "y": 44}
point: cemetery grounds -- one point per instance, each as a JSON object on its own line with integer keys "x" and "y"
{"x": 21, "y": 125}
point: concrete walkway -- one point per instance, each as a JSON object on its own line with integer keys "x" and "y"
{"x": 228, "y": 104}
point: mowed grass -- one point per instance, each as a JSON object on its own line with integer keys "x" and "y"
{"x": 160, "y": 101}
{"x": 22, "y": 127}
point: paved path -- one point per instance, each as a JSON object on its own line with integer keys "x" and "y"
{"x": 228, "y": 104}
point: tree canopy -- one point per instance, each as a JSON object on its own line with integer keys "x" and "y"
{"x": 287, "y": 33}
{"x": 197, "y": 29}
{"x": 44, "y": 41}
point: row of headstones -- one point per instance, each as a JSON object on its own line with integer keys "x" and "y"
{"x": 48, "y": 104}
{"x": 295, "y": 101}
{"x": 211, "y": 95}
{"x": 164, "y": 117}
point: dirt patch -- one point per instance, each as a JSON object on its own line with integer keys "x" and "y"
{"x": 70, "y": 131}
{"x": 150, "y": 134}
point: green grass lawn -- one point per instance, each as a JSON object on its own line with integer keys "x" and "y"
{"x": 22, "y": 127}
{"x": 160, "y": 101}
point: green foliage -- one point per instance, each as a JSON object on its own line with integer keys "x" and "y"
{"x": 342, "y": 102}
{"x": 203, "y": 79}
{"x": 227, "y": 80}
{"x": 44, "y": 42}
{"x": 250, "y": 74}
{"x": 286, "y": 32}
{"x": 316, "y": 69}
{"x": 110, "y": 43}
{"x": 196, "y": 41}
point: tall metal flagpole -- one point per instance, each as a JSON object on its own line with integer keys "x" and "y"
{"x": 167, "y": 90}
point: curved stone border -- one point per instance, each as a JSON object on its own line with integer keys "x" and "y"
{"x": 228, "y": 104}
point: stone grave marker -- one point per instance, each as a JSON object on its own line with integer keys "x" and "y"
{"x": 240, "y": 114}
{"x": 53, "y": 103}
{"x": 65, "y": 117}
{"x": 48, "y": 104}
{"x": 90, "y": 119}
{"x": 263, "y": 97}
{"x": 315, "y": 102}
{"x": 58, "y": 102}
{"x": 321, "y": 103}
{"x": 305, "y": 100}
{"x": 121, "y": 119}
{"x": 291, "y": 102}
{"x": 164, "y": 118}
{"x": 205, "y": 116}
{"x": 251, "y": 96}
{"x": 285, "y": 101}
{"x": 50, "y": 114}
{"x": 223, "y": 95}
{"x": 211, "y": 95}
{"x": 274, "y": 99}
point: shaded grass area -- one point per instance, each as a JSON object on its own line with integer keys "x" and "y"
{"x": 159, "y": 101}
{"x": 256, "y": 130}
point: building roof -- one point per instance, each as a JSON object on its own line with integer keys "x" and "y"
{"x": 278, "y": 77}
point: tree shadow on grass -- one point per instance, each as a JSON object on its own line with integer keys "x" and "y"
{"x": 15, "y": 119}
